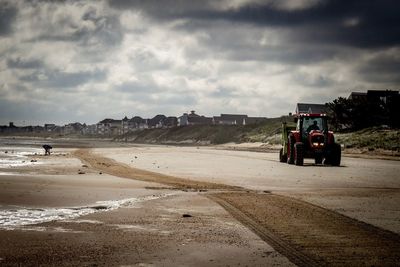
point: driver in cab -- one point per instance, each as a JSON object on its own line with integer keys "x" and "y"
{"x": 312, "y": 127}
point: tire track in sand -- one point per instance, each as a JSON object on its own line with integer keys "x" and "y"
{"x": 306, "y": 234}
{"x": 112, "y": 167}
{"x": 309, "y": 235}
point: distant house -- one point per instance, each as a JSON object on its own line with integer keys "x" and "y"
{"x": 170, "y": 122}
{"x": 157, "y": 121}
{"x": 74, "y": 128}
{"x": 230, "y": 119}
{"x": 137, "y": 123}
{"x": 380, "y": 97}
{"x": 310, "y": 108}
{"x": 109, "y": 126}
{"x": 90, "y": 129}
{"x": 358, "y": 96}
{"x": 384, "y": 96}
{"x": 49, "y": 127}
{"x": 193, "y": 119}
{"x": 383, "y": 105}
{"x": 124, "y": 125}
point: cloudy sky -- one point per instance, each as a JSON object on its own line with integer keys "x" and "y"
{"x": 67, "y": 61}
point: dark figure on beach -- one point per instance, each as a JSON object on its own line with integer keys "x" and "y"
{"x": 47, "y": 149}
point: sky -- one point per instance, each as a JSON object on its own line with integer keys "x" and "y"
{"x": 69, "y": 61}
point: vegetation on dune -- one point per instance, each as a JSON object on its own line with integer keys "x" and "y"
{"x": 371, "y": 138}
{"x": 210, "y": 134}
{"x": 267, "y": 132}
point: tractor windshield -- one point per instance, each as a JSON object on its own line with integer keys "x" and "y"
{"x": 314, "y": 123}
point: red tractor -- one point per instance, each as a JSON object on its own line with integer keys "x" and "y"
{"x": 310, "y": 139}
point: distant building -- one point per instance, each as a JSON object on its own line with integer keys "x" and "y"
{"x": 384, "y": 105}
{"x": 387, "y": 97}
{"x": 310, "y": 108}
{"x": 90, "y": 129}
{"x": 124, "y": 125}
{"x": 137, "y": 123}
{"x": 74, "y": 128}
{"x": 170, "y": 122}
{"x": 358, "y": 96}
{"x": 109, "y": 127}
{"x": 157, "y": 121}
{"x": 49, "y": 127}
{"x": 193, "y": 119}
{"x": 230, "y": 119}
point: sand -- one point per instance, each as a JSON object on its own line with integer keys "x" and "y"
{"x": 364, "y": 189}
{"x": 169, "y": 182}
{"x": 150, "y": 232}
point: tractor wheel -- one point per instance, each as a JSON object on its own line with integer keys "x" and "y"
{"x": 336, "y": 155}
{"x": 318, "y": 159}
{"x": 299, "y": 154}
{"x": 282, "y": 156}
{"x": 290, "y": 155}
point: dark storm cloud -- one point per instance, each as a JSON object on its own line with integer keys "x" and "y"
{"x": 7, "y": 17}
{"x": 21, "y": 63}
{"x": 57, "y": 79}
{"x": 383, "y": 69}
{"x": 234, "y": 48}
{"x": 107, "y": 32}
{"x": 356, "y": 23}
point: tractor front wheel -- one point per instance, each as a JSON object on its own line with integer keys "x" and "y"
{"x": 299, "y": 154}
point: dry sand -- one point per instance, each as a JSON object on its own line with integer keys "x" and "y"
{"x": 364, "y": 189}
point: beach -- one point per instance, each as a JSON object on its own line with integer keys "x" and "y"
{"x": 118, "y": 204}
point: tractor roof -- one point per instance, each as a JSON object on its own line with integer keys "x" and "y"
{"x": 314, "y": 115}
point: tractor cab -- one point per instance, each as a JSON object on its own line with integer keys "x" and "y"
{"x": 310, "y": 139}
{"x": 306, "y": 123}
{"x": 312, "y": 130}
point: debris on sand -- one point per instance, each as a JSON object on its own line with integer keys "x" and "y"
{"x": 81, "y": 172}
{"x": 33, "y": 160}
{"x": 186, "y": 215}
{"x": 6, "y": 151}
{"x": 85, "y": 166}
{"x": 100, "y": 173}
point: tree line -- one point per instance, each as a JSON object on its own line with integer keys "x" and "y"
{"x": 356, "y": 114}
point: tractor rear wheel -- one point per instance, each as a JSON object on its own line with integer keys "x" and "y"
{"x": 299, "y": 154}
{"x": 290, "y": 155}
{"x": 336, "y": 155}
{"x": 282, "y": 156}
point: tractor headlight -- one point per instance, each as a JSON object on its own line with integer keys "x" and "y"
{"x": 318, "y": 144}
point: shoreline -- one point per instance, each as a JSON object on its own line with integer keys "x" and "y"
{"x": 250, "y": 147}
